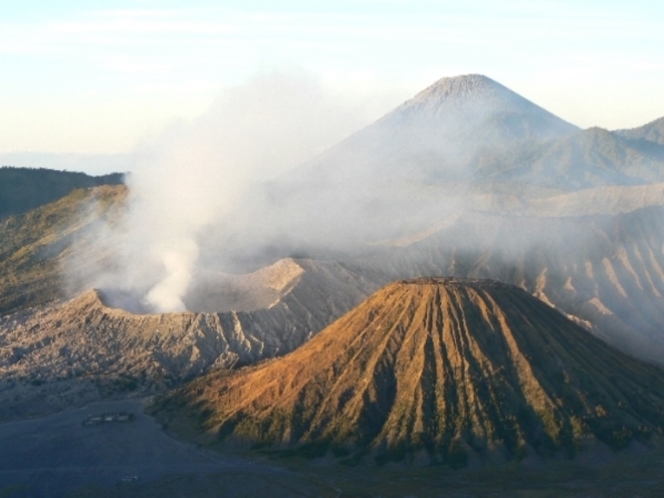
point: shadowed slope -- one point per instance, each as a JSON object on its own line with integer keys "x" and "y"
{"x": 460, "y": 137}
{"x": 442, "y": 367}
{"x": 441, "y": 138}
{"x": 652, "y": 132}
{"x": 607, "y": 272}
{"x": 83, "y": 342}
{"x": 34, "y": 246}
{"x": 23, "y": 189}
{"x": 475, "y": 100}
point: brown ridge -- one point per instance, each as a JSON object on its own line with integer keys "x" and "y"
{"x": 442, "y": 367}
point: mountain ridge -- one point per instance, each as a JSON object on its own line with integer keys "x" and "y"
{"x": 652, "y": 131}
{"x": 453, "y": 369}
{"x": 24, "y": 189}
{"x": 458, "y": 137}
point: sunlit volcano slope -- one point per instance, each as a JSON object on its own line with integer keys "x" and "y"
{"x": 443, "y": 370}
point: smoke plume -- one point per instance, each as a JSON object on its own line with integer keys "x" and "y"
{"x": 183, "y": 183}
{"x": 466, "y": 179}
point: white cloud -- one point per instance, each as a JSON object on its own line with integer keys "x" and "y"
{"x": 398, "y": 47}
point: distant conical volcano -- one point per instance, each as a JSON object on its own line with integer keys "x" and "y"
{"x": 440, "y": 369}
{"x": 447, "y": 140}
{"x": 476, "y": 103}
{"x": 437, "y": 133}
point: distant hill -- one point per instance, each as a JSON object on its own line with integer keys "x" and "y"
{"x": 23, "y": 189}
{"x": 589, "y": 158}
{"x": 35, "y": 244}
{"x": 649, "y": 138}
{"x": 434, "y": 370}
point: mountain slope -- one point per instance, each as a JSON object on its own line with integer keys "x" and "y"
{"x": 35, "y": 245}
{"x": 589, "y": 158}
{"x": 469, "y": 179}
{"x": 460, "y": 137}
{"x": 437, "y": 135}
{"x": 67, "y": 354}
{"x": 652, "y": 132}
{"x": 649, "y": 138}
{"x": 23, "y": 189}
{"x": 450, "y": 369}
{"x": 605, "y": 271}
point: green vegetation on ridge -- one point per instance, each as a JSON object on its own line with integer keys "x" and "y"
{"x": 23, "y": 189}
{"x": 33, "y": 245}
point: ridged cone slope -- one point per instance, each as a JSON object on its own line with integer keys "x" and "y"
{"x": 479, "y": 104}
{"x": 441, "y": 367}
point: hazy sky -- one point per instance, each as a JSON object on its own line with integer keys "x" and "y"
{"x": 96, "y": 77}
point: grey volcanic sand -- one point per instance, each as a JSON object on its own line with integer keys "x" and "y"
{"x": 52, "y": 455}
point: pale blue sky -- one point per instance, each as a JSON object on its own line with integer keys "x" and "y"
{"x": 96, "y": 77}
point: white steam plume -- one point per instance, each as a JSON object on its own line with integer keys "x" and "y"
{"x": 188, "y": 178}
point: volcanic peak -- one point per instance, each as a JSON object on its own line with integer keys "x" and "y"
{"x": 650, "y": 132}
{"x": 481, "y": 105}
{"x": 470, "y": 86}
{"x": 437, "y": 368}
{"x": 473, "y": 90}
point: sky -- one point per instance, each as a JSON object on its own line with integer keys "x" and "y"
{"x": 93, "y": 78}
